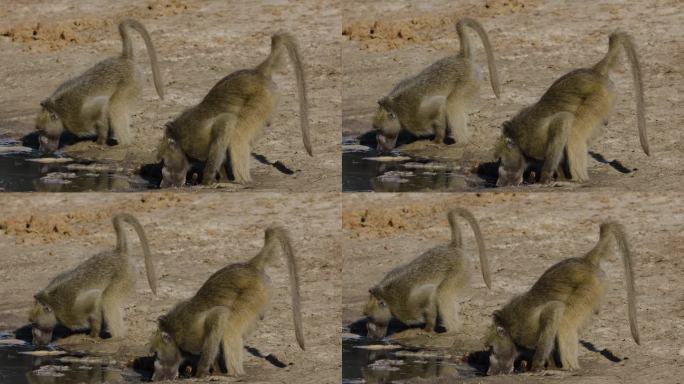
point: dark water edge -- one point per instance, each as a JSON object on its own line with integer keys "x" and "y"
{"x": 17, "y": 367}
{"x": 19, "y": 172}
{"x": 360, "y": 365}
{"x": 361, "y": 172}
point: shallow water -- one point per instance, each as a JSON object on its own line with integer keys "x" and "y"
{"x": 360, "y": 365}
{"x": 18, "y": 368}
{"x": 18, "y": 173}
{"x": 361, "y": 172}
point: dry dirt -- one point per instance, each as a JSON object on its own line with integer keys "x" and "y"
{"x": 524, "y": 235}
{"x": 534, "y": 43}
{"x": 198, "y": 42}
{"x": 191, "y": 236}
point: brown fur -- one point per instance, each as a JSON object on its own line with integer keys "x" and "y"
{"x": 435, "y": 100}
{"x": 557, "y": 306}
{"x": 93, "y": 291}
{"x": 100, "y": 98}
{"x": 222, "y": 312}
{"x": 418, "y": 291}
{"x": 226, "y": 121}
{"x": 567, "y": 119}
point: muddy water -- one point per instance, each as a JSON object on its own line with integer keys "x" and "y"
{"x": 17, "y": 367}
{"x": 396, "y": 363}
{"x": 20, "y": 172}
{"x": 362, "y": 171}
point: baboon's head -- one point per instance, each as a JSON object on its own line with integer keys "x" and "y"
{"x": 43, "y": 320}
{"x": 377, "y": 315}
{"x": 386, "y": 125}
{"x": 167, "y": 356}
{"x": 176, "y": 164}
{"x": 49, "y": 127}
{"x": 511, "y": 162}
{"x": 502, "y": 349}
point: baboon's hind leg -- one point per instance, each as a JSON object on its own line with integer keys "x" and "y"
{"x": 558, "y": 132}
{"x": 549, "y": 323}
{"x": 119, "y": 109}
{"x": 447, "y": 294}
{"x": 222, "y": 133}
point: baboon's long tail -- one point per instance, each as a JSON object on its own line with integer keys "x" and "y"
{"x": 608, "y": 63}
{"x": 457, "y": 241}
{"x": 127, "y": 52}
{"x": 279, "y": 236}
{"x": 467, "y": 53}
{"x": 285, "y": 40}
{"x": 118, "y": 220}
{"x": 617, "y": 231}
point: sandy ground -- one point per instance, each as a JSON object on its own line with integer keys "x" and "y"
{"x": 198, "y": 42}
{"x": 42, "y": 236}
{"x": 534, "y": 42}
{"x": 524, "y": 235}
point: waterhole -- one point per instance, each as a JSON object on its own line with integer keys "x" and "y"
{"x": 364, "y": 361}
{"x": 21, "y": 363}
{"x": 366, "y": 170}
{"x": 24, "y": 169}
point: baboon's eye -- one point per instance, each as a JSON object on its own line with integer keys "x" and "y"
{"x": 47, "y": 308}
{"x": 382, "y": 304}
{"x": 53, "y": 116}
{"x": 391, "y": 115}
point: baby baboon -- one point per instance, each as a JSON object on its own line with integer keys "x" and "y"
{"x": 567, "y": 118}
{"x": 93, "y": 291}
{"x": 100, "y": 98}
{"x": 222, "y": 312}
{"x": 557, "y": 305}
{"x": 435, "y": 100}
{"x": 416, "y": 292}
{"x": 230, "y": 115}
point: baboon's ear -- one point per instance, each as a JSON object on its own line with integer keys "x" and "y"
{"x": 166, "y": 337}
{"x": 48, "y": 104}
{"x": 40, "y": 296}
{"x": 375, "y": 292}
{"x": 501, "y": 331}
{"x": 499, "y": 323}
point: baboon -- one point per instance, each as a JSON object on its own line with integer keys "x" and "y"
{"x": 222, "y": 312}
{"x": 430, "y": 284}
{"x": 566, "y": 119}
{"x": 93, "y": 291}
{"x": 100, "y": 98}
{"x": 435, "y": 100}
{"x": 226, "y": 121}
{"x": 557, "y": 306}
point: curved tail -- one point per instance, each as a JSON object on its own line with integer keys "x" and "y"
{"x": 457, "y": 241}
{"x": 127, "y": 52}
{"x": 280, "y": 41}
{"x": 121, "y": 244}
{"x": 466, "y": 51}
{"x": 608, "y": 63}
{"x": 617, "y": 231}
{"x": 278, "y": 236}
